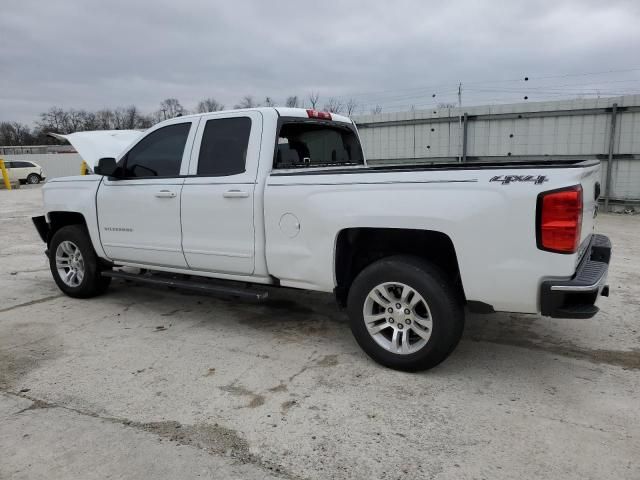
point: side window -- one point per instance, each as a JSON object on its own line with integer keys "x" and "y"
{"x": 21, "y": 164}
{"x": 158, "y": 154}
{"x": 223, "y": 150}
{"x": 8, "y": 164}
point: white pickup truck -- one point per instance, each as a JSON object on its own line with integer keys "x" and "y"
{"x": 284, "y": 197}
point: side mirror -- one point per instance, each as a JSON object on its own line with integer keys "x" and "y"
{"x": 106, "y": 166}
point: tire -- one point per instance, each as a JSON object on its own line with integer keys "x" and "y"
{"x": 74, "y": 238}
{"x": 33, "y": 179}
{"x": 432, "y": 327}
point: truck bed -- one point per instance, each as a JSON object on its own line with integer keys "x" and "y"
{"x": 554, "y": 163}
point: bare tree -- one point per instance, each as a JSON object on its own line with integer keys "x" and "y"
{"x": 58, "y": 120}
{"x": 144, "y": 122}
{"x": 76, "y": 120}
{"x": 268, "y": 102}
{"x": 313, "y": 98}
{"x": 54, "y": 120}
{"x": 334, "y": 105}
{"x": 121, "y": 118}
{"x": 351, "y": 106}
{"x": 246, "y": 102}
{"x": 15, "y": 133}
{"x": 104, "y": 119}
{"x": 292, "y": 101}
{"x": 171, "y": 108}
{"x": 209, "y": 105}
{"x": 376, "y": 110}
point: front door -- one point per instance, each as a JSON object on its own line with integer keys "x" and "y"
{"x": 139, "y": 208}
{"x": 218, "y": 195}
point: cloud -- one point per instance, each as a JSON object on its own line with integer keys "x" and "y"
{"x": 91, "y": 54}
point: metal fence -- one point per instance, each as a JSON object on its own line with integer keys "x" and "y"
{"x": 606, "y": 129}
{"x": 53, "y": 164}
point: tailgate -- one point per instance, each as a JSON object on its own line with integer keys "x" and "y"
{"x": 590, "y": 181}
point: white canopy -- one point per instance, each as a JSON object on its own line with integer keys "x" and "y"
{"x": 92, "y": 146}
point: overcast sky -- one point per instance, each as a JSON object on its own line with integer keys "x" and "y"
{"x": 90, "y": 55}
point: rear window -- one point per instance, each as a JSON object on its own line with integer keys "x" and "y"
{"x": 303, "y": 144}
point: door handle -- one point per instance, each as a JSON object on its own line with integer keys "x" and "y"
{"x": 235, "y": 194}
{"x": 165, "y": 194}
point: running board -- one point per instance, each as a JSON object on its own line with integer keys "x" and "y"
{"x": 199, "y": 286}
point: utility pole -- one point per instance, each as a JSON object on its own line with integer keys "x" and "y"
{"x": 460, "y": 122}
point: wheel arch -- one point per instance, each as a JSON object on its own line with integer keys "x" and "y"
{"x": 356, "y": 248}
{"x": 59, "y": 219}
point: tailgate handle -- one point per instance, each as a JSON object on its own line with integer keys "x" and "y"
{"x": 235, "y": 194}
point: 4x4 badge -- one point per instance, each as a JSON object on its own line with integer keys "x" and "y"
{"x": 507, "y": 179}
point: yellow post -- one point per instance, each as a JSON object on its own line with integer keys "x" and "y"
{"x": 83, "y": 168}
{"x": 5, "y": 175}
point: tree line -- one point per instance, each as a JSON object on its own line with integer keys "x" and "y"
{"x": 64, "y": 121}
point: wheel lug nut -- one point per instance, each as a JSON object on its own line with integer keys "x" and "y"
{"x": 400, "y": 326}
{"x": 407, "y": 321}
{"x": 391, "y": 320}
{"x": 390, "y": 310}
{"x": 398, "y": 305}
{"x": 407, "y": 311}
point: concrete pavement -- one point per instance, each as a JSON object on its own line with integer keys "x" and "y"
{"x": 153, "y": 383}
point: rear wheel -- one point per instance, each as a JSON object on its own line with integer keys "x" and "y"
{"x": 405, "y": 313}
{"x": 33, "y": 178}
{"x": 74, "y": 264}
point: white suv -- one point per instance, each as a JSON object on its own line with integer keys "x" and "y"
{"x": 25, "y": 172}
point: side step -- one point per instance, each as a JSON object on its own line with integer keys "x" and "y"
{"x": 200, "y": 285}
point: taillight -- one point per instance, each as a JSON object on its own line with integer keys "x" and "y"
{"x": 559, "y": 220}
{"x": 316, "y": 114}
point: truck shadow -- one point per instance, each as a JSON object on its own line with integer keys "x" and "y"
{"x": 531, "y": 333}
{"x": 302, "y": 316}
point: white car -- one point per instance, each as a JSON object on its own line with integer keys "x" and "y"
{"x": 24, "y": 172}
{"x": 284, "y": 197}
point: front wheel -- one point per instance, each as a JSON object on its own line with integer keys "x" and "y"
{"x": 33, "y": 179}
{"x": 404, "y": 313}
{"x": 74, "y": 264}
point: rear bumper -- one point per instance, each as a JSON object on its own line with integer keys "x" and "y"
{"x": 575, "y": 297}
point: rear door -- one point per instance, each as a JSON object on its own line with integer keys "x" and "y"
{"x": 139, "y": 208}
{"x": 218, "y": 195}
{"x": 20, "y": 170}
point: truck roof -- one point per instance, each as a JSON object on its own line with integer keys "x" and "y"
{"x": 282, "y": 111}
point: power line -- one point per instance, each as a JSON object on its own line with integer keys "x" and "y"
{"x": 429, "y": 88}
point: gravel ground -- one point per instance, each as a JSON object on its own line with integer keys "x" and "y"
{"x": 151, "y": 383}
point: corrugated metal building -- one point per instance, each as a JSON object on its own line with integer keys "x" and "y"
{"x": 596, "y": 128}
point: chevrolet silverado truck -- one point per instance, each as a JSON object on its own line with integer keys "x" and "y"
{"x": 226, "y": 202}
